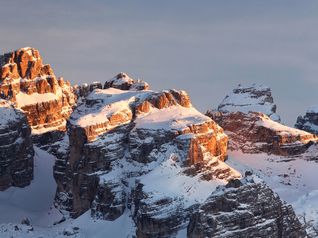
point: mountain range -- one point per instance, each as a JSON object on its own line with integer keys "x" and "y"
{"x": 117, "y": 159}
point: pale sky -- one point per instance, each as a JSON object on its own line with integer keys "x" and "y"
{"x": 203, "y": 47}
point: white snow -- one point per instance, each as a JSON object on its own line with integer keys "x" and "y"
{"x": 7, "y": 114}
{"x": 293, "y": 178}
{"x": 23, "y": 99}
{"x": 171, "y": 118}
{"x": 35, "y": 200}
{"x": 312, "y": 109}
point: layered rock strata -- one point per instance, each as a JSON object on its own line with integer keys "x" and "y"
{"x": 16, "y": 148}
{"x": 33, "y": 88}
{"x": 249, "y": 209}
{"x": 256, "y": 98}
{"x": 120, "y": 140}
{"x": 255, "y": 133}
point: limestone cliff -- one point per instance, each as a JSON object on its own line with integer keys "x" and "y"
{"x": 255, "y": 132}
{"x": 33, "y": 88}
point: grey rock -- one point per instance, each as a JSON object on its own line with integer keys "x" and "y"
{"x": 251, "y": 210}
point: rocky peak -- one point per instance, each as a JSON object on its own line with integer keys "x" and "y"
{"x": 124, "y": 82}
{"x": 33, "y": 88}
{"x": 256, "y": 98}
{"x": 309, "y": 122}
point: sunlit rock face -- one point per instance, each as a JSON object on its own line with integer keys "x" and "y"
{"x": 255, "y": 133}
{"x": 250, "y": 209}
{"x": 16, "y": 148}
{"x": 125, "y": 146}
{"x": 33, "y": 88}
{"x": 309, "y": 122}
{"x": 256, "y": 98}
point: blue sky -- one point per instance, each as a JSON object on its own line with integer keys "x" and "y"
{"x": 206, "y": 48}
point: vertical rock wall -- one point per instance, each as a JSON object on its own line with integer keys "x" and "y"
{"x": 16, "y": 149}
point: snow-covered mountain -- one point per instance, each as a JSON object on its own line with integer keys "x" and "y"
{"x": 286, "y": 157}
{"x": 256, "y": 98}
{"x": 127, "y": 161}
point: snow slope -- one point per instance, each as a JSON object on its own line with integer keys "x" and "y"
{"x": 293, "y": 178}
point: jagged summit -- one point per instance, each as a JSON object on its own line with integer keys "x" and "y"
{"x": 33, "y": 88}
{"x": 309, "y": 122}
{"x": 256, "y": 98}
{"x": 124, "y": 82}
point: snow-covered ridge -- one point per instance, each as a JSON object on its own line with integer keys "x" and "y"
{"x": 105, "y": 109}
{"x": 23, "y": 99}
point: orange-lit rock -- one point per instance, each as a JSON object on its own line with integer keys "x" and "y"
{"x": 255, "y": 133}
{"x": 181, "y": 97}
{"x": 24, "y": 78}
{"x": 140, "y": 126}
{"x": 142, "y": 108}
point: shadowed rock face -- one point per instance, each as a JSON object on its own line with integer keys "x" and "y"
{"x": 16, "y": 149}
{"x": 309, "y": 122}
{"x": 249, "y": 210}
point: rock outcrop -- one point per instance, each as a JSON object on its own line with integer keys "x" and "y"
{"x": 124, "y": 82}
{"x": 309, "y": 122}
{"x": 16, "y": 148}
{"x": 33, "y": 88}
{"x": 255, "y": 132}
{"x": 121, "y": 139}
{"x": 249, "y": 210}
{"x": 256, "y": 98}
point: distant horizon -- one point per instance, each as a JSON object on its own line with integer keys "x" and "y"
{"x": 205, "y": 49}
